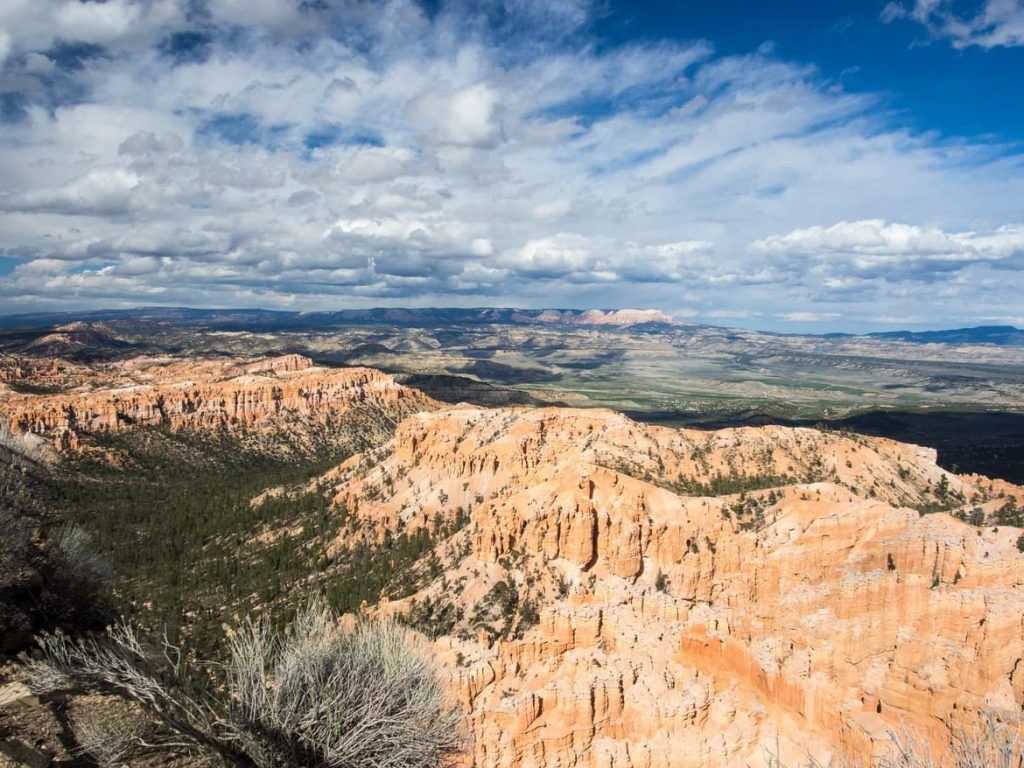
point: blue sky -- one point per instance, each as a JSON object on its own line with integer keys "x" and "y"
{"x": 964, "y": 91}
{"x": 789, "y": 166}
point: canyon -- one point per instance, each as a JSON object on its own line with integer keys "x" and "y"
{"x": 602, "y": 592}
{"x": 812, "y": 614}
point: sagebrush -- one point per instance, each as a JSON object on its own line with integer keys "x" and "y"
{"x": 312, "y": 696}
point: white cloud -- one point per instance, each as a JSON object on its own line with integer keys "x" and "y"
{"x": 481, "y": 246}
{"x": 254, "y": 12}
{"x": 43, "y": 267}
{"x": 467, "y": 117}
{"x": 5, "y": 45}
{"x": 145, "y": 143}
{"x": 96, "y": 22}
{"x": 893, "y": 11}
{"x": 554, "y": 209}
{"x": 109, "y": 192}
{"x": 873, "y": 243}
{"x": 555, "y": 256}
{"x": 997, "y": 23}
{"x": 35, "y": 25}
{"x": 584, "y": 259}
{"x": 37, "y": 63}
{"x": 809, "y": 317}
{"x": 361, "y": 164}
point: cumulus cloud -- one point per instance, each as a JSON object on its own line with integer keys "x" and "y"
{"x": 361, "y": 164}
{"x": 35, "y": 25}
{"x": 319, "y": 154}
{"x": 809, "y": 317}
{"x": 96, "y": 22}
{"x": 582, "y": 259}
{"x": 875, "y": 247}
{"x": 441, "y": 239}
{"x": 466, "y": 117}
{"x": 103, "y": 192}
{"x": 145, "y": 143}
{"x": 254, "y": 12}
{"x": 995, "y": 23}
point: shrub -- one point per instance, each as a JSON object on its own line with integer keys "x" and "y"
{"x": 109, "y": 731}
{"x": 80, "y": 554}
{"x": 529, "y": 616}
{"x": 46, "y": 581}
{"x": 314, "y": 697}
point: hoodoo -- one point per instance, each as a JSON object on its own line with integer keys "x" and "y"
{"x": 640, "y": 596}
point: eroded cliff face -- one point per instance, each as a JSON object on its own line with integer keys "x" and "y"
{"x": 623, "y": 595}
{"x": 265, "y": 395}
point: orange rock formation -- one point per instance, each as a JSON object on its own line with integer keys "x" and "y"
{"x": 811, "y": 614}
{"x": 204, "y": 395}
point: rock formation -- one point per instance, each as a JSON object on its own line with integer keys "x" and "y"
{"x": 625, "y": 595}
{"x": 620, "y": 317}
{"x": 209, "y": 395}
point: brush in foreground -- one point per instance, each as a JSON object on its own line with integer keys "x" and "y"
{"x": 314, "y": 696}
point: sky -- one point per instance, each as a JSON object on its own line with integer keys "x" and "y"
{"x": 794, "y": 166}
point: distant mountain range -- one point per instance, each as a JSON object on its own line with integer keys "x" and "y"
{"x": 267, "y": 319}
{"x": 999, "y": 335}
{"x": 275, "y": 320}
{"x": 1002, "y": 335}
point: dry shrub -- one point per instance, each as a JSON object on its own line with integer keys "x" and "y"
{"x": 381, "y": 692}
{"x": 987, "y": 743}
{"x": 80, "y": 553}
{"x": 314, "y": 696}
{"x": 110, "y": 730}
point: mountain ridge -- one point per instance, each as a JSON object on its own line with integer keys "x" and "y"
{"x": 268, "y": 319}
{"x": 620, "y": 594}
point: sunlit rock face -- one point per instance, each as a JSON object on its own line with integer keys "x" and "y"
{"x": 687, "y": 598}
{"x": 210, "y": 395}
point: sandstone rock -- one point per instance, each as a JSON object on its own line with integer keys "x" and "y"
{"x": 208, "y": 395}
{"x": 831, "y": 613}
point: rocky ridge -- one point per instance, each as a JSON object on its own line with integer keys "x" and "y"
{"x": 208, "y": 395}
{"x": 623, "y": 595}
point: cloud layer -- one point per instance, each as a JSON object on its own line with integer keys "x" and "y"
{"x": 878, "y": 249}
{"x": 337, "y": 154}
